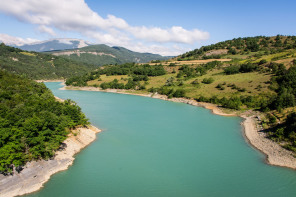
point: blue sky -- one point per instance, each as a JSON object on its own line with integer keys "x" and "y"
{"x": 165, "y": 27}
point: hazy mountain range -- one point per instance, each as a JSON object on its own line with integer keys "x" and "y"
{"x": 82, "y": 51}
{"x": 56, "y": 44}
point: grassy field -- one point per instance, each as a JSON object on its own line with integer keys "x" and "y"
{"x": 252, "y": 83}
{"x": 104, "y": 78}
{"x": 190, "y": 62}
{"x": 27, "y": 53}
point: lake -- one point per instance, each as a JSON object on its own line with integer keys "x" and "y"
{"x": 150, "y": 147}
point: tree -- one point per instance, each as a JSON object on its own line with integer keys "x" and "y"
{"x": 232, "y": 69}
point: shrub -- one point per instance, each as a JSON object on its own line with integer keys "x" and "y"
{"x": 179, "y": 93}
{"x": 244, "y": 68}
{"x": 230, "y": 70}
{"x": 263, "y": 61}
{"x": 208, "y": 80}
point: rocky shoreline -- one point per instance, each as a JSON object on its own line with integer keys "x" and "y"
{"x": 275, "y": 154}
{"x": 36, "y": 173}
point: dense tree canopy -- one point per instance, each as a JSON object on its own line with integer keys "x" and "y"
{"x": 32, "y": 123}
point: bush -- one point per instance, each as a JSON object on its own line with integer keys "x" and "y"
{"x": 208, "y": 80}
{"x": 220, "y": 86}
{"x": 230, "y": 70}
{"x": 244, "y": 68}
{"x": 263, "y": 61}
{"x": 179, "y": 93}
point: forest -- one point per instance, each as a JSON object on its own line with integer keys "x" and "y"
{"x": 32, "y": 123}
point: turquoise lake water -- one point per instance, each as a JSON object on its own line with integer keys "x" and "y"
{"x": 156, "y": 148}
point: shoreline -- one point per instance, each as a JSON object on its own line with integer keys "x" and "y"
{"x": 50, "y": 80}
{"x": 36, "y": 173}
{"x": 274, "y": 153}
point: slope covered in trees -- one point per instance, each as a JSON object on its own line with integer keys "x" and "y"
{"x": 38, "y": 65}
{"x": 32, "y": 123}
{"x": 102, "y": 54}
{"x": 243, "y": 47}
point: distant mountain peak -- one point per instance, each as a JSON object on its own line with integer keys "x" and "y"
{"x": 101, "y": 54}
{"x": 82, "y": 51}
{"x": 55, "y": 44}
{"x": 41, "y": 46}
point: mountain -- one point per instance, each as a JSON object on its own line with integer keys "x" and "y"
{"x": 55, "y": 44}
{"x": 39, "y": 65}
{"x": 82, "y": 51}
{"x": 102, "y": 54}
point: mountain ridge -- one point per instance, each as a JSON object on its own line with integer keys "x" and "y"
{"x": 83, "y": 51}
{"x": 36, "y": 65}
{"x": 54, "y": 44}
{"x": 102, "y": 54}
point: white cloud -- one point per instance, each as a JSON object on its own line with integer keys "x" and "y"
{"x": 165, "y": 50}
{"x": 76, "y": 16}
{"x": 10, "y": 40}
{"x": 174, "y": 34}
{"x": 45, "y": 29}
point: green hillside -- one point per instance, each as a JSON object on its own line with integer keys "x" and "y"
{"x": 32, "y": 123}
{"x": 242, "y": 48}
{"x": 103, "y": 54}
{"x": 38, "y": 65}
{"x": 263, "y": 79}
{"x": 254, "y": 76}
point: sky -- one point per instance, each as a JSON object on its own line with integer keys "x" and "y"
{"x": 161, "y": 27}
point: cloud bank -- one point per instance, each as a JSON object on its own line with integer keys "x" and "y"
{"x": 76, "y": 16}
{"x": 11, "y": 40}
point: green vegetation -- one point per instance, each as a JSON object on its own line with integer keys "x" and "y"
{"x": 260, "y": 76}
{"x": 32, "y": 123}
{"x": 208, "y": 80}
{"x": 136, "y": 72}
{"x": 286, "y": 132}
{"x": 38, "y": 65}
{"x": 102, "y": 54}
{"x": 240, "y": 47}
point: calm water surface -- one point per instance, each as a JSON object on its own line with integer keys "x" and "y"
{"x": 152, "y": 148}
